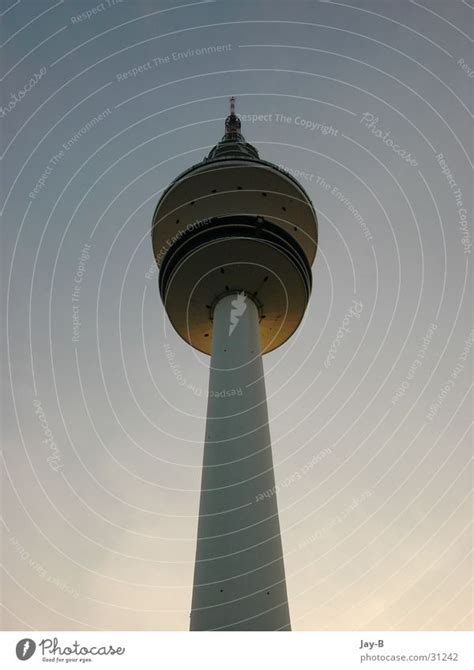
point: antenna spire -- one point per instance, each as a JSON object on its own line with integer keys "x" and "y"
{"x": 232, "y": 122}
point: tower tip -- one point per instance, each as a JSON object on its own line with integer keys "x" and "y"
{"x": 232, "y": 122}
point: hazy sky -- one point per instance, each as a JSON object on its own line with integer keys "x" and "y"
{"x": 103, "y": 105}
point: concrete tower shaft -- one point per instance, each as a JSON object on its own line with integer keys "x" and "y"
{"x": 239, "y": 577}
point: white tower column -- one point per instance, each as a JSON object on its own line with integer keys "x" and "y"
{"x": 239, "y": 578}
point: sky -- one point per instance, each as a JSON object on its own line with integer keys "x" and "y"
{"x": 369, "y": 104}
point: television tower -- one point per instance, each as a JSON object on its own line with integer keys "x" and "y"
{"x": 234, "y": 237}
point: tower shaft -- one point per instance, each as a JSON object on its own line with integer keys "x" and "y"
{"x": 239, "y": 578}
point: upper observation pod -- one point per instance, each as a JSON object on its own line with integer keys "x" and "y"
{"x": 235, "y": 223}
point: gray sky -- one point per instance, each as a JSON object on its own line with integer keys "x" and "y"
{"x": 102, "y": 437}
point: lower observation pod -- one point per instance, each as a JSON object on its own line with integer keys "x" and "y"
{"x": 239, "y": 578}
{"x": 235, "y": 254}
